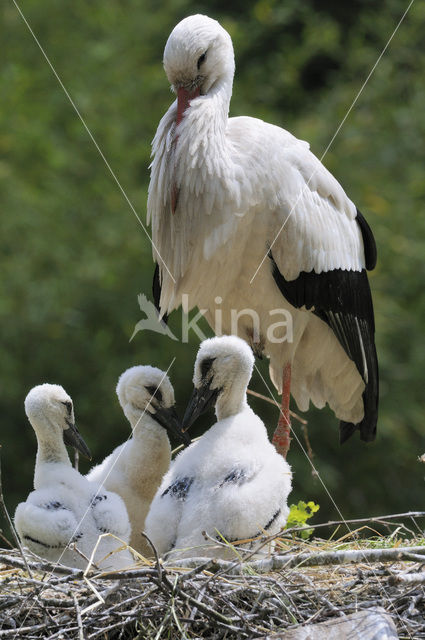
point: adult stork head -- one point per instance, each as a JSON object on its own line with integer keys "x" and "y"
{"x": 198, "y": 60}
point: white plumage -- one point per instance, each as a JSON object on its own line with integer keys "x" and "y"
{"x": 231, "y": 481}
{"x": 66, "y": 508}
{"x": 135, "y": 469}
{"x": 226, "y": 191}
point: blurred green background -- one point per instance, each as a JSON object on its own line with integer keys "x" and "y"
{"x": 74, "y": 257}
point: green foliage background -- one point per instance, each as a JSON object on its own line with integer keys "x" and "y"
{"x": 74, "y": 256}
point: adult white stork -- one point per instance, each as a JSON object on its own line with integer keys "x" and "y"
{"x": 245, "y": 217}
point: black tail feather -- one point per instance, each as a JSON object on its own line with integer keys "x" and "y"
{"x": 369, "y": 243}
{"x": 367, "y": 430}
{"x": 156, "y": 292}
{"x": 346, "y": 430}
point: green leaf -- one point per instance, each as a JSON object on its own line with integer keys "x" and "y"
{"x": 298, "y": 516}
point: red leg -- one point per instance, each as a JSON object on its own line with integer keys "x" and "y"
{"x": 281, "y": 437}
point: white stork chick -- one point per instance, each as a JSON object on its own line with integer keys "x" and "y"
{"x": 65, "y": 508}
{"x": 231, "y": 482}
{"x": 246, "y": 221}
{"x": 135, "y": 469}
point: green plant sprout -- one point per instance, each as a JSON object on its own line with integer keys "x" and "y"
{"x": 298, "y": 516}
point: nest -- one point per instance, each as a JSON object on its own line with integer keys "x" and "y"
{"x": 301, "y": 582}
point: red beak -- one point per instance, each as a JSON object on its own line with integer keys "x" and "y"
{"x": 183, "y": 101}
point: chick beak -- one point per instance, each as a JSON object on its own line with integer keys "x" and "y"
{"x": 72, "y": 438}
{"x": 167, "y": 417}
{"x": 201, "y": 400}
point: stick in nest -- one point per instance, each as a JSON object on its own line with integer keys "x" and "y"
{"x": 10, "y": 523}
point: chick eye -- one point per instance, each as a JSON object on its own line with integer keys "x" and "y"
{"x": 206, "y": 365}
{"x": 155, "y": 392}
{"x": 201, "y": 59}
{"x": 68, "y": 406}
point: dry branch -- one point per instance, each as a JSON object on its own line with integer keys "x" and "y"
{"x": 9, "y": 521}
{"x": 276, "y": 562}
{"x": 407, "y": 578}
{"x": 275, "y": 403}
{"x": 383, "y": 520}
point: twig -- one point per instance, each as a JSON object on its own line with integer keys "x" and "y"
{"x": 201, "y": 606}
{"x": 275, "y": 404}
{"x": 409, "y": 578}
{"x": 40, "y": 566}
{"x": 200, "y": 569}
{"x": 3, "y": 537}
{"x": 334, "y": 523}
{"x": 128, "y": 574}
{"x": 195, "y": 609}
{"x": 210, "y": 612}
{"x": 79, "y": 620}
{"x": 10, "y": 523}
{"x": 8, "y": 633}
{"x": 155, "y": 552}
{"x": 309, "y": 450}
{"x": 324, "y": 558}
{"x": 73, "y": 547}
{"x": 350, "y": 556}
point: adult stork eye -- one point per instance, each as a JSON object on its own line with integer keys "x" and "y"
{"x": 155, "y": 392}
{"x": 201, "y": 59}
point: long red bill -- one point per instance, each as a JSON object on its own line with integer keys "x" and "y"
{"x": 183, "y": 103}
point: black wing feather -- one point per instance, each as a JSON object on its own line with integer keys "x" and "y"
{"x": 342, "y": 299}
{"x": 369, "y": 243}
{"x": 156, "y": 292}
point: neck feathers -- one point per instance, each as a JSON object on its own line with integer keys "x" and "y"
{"x": 193, "y": 164}
{"x": 51, "y": 450}
{"x": 145, "y": 427}
{"x": 230, "y": 404}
